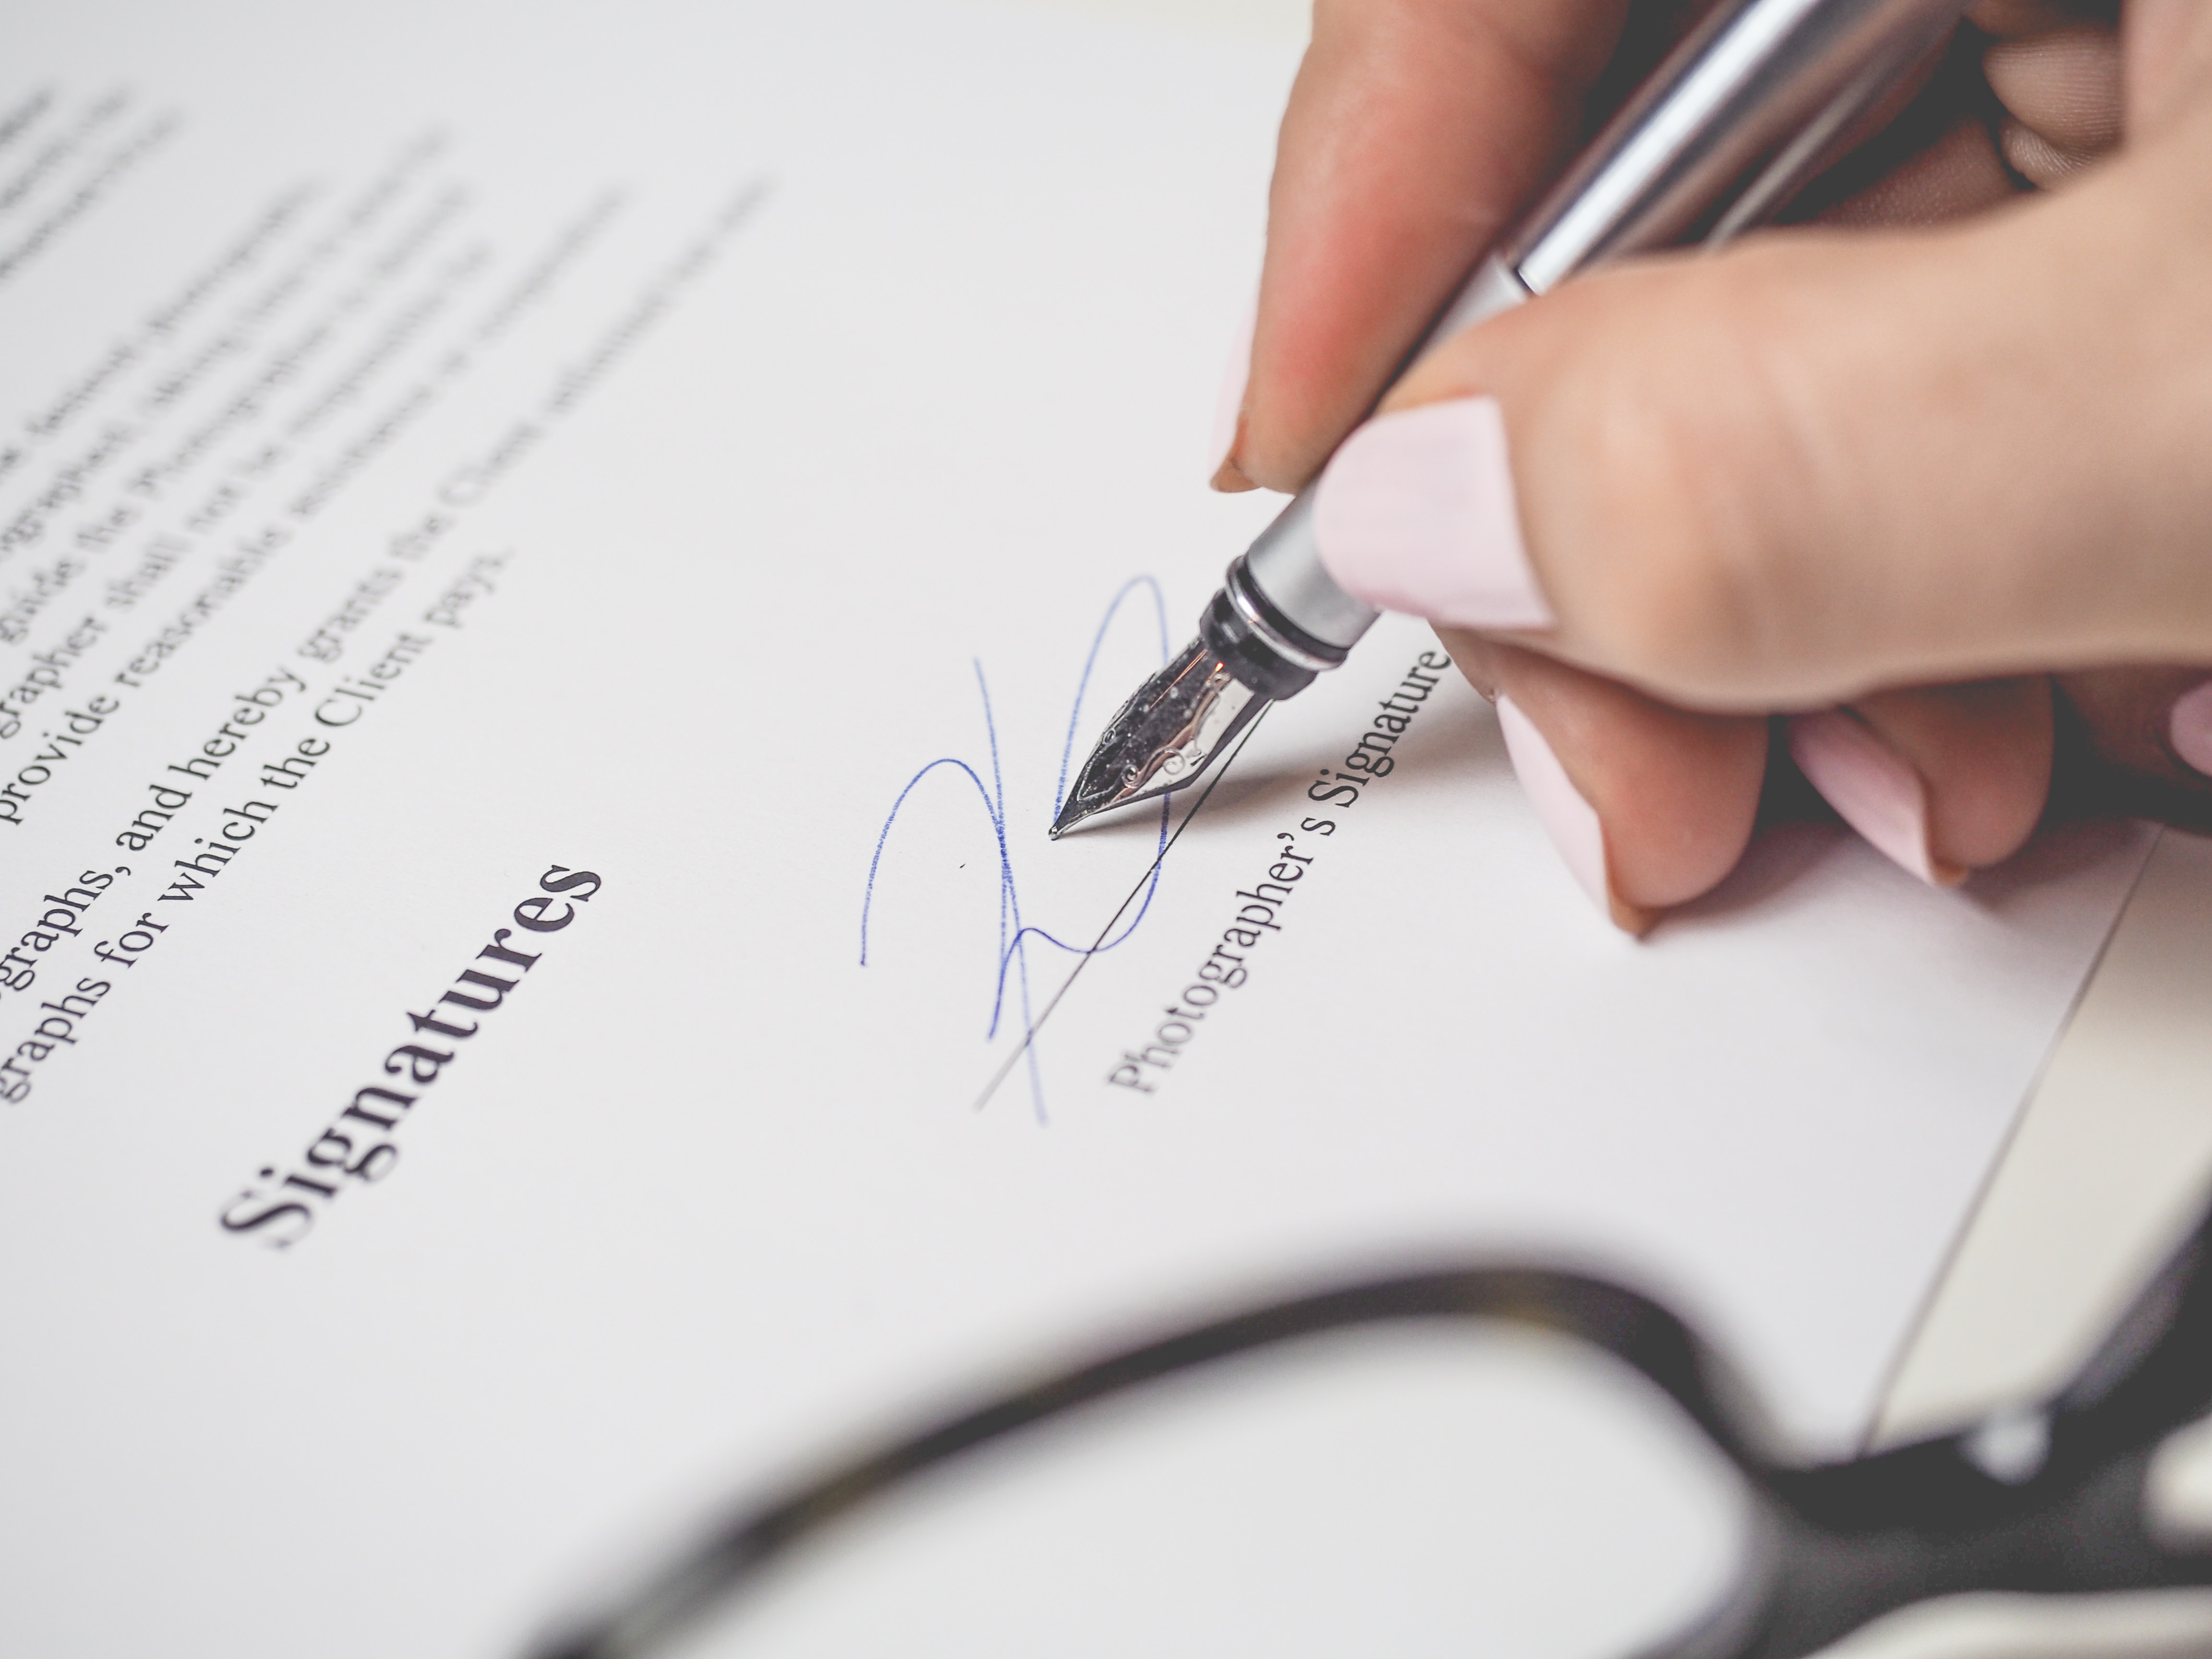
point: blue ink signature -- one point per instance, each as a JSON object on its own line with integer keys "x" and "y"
{"x": 1014, "y": 934}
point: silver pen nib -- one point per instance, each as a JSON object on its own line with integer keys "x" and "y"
{"x": 1164, "y": 736}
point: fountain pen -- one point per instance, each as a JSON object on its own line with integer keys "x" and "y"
{"x": 1744, "y": 110}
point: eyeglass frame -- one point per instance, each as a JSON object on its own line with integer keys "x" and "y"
{"x": 2052, "y": 1500}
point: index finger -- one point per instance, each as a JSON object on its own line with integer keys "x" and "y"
{"x": 1416, "y": 129}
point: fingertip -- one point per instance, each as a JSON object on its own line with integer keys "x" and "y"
{"x": 1229, "y": 479}
{"x": 1564, "y": 811}
{"x": 1873, "y": 788}
{"x": 1651, "y": 806}
{"x": 2189, "y": 728}
{"x": 1230, "y": 420}
{"x": 1417, "y": 513}
{"x": 1983, "y": 752}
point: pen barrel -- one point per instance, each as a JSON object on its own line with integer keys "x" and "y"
{"x": 1738, "y": 117}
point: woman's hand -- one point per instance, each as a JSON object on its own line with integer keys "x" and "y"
{"x": 1955, "y": 439}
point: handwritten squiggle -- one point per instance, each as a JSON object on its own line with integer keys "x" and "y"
{"x": 1014, "y": 934}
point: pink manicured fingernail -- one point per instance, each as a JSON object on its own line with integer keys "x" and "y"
{"x": 1873, "y": 789}
{"x": 1229, "y": 407}
{"x": 1566, "y": 817}
{"x": 2189, "y": 728}
{"x": 1416, "y": 513}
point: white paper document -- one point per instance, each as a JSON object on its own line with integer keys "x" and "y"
{"x": 554, "y": 567}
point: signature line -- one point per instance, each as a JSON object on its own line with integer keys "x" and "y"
{"x": 1149, "y": 878}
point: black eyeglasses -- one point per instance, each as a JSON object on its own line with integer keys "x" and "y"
{"x": 2053, "y": 1500}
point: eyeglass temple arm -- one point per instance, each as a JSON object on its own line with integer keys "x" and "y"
{"x": 1838, "y": 1546}
{"x": 1623, "y": 1323}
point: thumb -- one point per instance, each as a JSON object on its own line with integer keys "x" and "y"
{"x": 1823, "y": 461}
